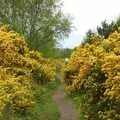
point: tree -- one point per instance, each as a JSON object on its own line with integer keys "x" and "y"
{"x": 88, "y": 36}
{"x": 106, "y": 29}
{"x": 41, "y": 21}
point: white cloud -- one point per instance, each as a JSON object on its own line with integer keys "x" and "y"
{"x": 88, "y": 14}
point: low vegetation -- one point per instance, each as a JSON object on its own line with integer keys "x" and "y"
{"x": 45, "y": 108}
{"x": 20, "y": 70}
{"x": 93, "y": 74}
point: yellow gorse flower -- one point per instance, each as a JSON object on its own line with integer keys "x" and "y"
{"x": 105, "y": 52}
{"x": 17, "y": 64}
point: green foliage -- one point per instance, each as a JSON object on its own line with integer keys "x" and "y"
{"x": 62, "y": 53}
{"x": 106, "y": 29}
{"x": 88, "y": 37}
{"x": 40, "y": 21}
{"x": 65, "y": 53}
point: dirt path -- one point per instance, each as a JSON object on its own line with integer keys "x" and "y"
{"x": 65, "y": 106}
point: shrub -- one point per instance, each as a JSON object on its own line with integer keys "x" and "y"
{"x": 19, "y": 66}
{"x": 93, "y": 71}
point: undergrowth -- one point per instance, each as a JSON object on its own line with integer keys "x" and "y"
{"x": 45, "y": 108}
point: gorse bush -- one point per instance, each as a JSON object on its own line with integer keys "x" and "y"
{"x": 46, "y": 68}
{"x": 19, "y": 68}
{"x": 93, "y": 71}
{"x": 14, "y": 75}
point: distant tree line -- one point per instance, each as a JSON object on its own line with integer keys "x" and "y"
{"x": 62, "y": 52}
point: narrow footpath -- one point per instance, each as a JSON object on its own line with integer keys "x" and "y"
{"x": 66, "y": 110}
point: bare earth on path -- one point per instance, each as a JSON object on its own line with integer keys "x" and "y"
{"x": 67, "y": 112}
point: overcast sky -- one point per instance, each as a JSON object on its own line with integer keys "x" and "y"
{"x": 88, "y": 14}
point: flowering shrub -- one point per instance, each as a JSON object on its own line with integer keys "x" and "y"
{"x": 46, "y": 70}
{"x": 17, "y": 67}
{"x": 93, "y": 71}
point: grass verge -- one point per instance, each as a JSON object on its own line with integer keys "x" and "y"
{"x": 45, "y": 108}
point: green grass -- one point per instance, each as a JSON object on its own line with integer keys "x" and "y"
{"x": 45, "y": 108}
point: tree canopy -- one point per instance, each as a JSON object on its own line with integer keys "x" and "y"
{"x": 42, "y": 22}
